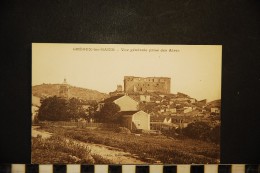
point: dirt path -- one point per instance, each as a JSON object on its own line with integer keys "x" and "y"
{"x": 115, "y": 155}
{"x": 36, "y": 132}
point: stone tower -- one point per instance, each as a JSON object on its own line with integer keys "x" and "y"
{"x": 64, "y": 90}
{"x": 119, "y": 88}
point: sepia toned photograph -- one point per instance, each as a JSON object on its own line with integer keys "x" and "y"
{"x": 126, "y": 104}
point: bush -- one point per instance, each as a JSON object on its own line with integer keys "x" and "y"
{"x": 122, "y": 130}
{"x": 59, "y": 150}
{"x": 215, "y": 134}
{"x": 198, "y": 130}
{"x": 59, "y": 109}
{"x": 202, "y": 131}
{"x": 108, "y": 113}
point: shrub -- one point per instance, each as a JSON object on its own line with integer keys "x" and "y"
{"x": 202, "y": 131}
{"x": 57, "y": 147}
{"x": 215, "y": 134}
{"x": 123, "y": 130}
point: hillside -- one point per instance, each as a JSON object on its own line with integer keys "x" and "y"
{"x": 47, "y": 90}
{"x": 215, "y": 103}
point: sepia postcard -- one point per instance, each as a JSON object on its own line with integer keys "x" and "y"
{"x": 126, "y": 104}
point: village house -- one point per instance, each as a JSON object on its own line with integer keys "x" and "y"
{"x": 125, "y": 103}
{"x": 132, "y": 117}
{"x": 145, "y": 98}
{"x": 215, "y": 110}
{"x": 187, "y": 109}
{"x": 203, "y": 110}
{"x": 167, "y": 120}
{"x": 134, "y": 120}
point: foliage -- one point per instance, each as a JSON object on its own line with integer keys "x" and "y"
{"x": 53, "y": 109}
{"x": 165, "y": 149}
{"x": 59, "y": 150}
{"x": 202, "y": 131}
{"x": 197, "y": 130}
{"x": 123, "y": 130}
{"x": 215, "y": 134}
{"x": 92, "y": 110}
{"x": 75, "y": 109}
{"x": 59, "y": 109}
{"x": 100, "y": 160}
{"x": 108, "y": 113}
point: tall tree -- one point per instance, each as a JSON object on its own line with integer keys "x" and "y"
{"x": 108, "y": 113}
{"x": 53, "y": 109}
{"x": 59, "y": 109}
{"x": 75, "y": 109}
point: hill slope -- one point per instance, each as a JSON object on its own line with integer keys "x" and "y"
{"x": 215, "y": 103}
{"x": 47, "y": 90}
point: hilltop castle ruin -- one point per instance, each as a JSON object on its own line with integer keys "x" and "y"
{"x": 134, "y": 84}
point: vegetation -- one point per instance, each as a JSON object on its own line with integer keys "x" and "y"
{"x": 108, "y": 113}
{"x": 167, "y": 150}
{"x": 62, "y": 151}
{"x": 57, "y": 150}
{"x": 202, "y": 131}
{"x": 59, "y": 109}
{"x": 215, "y": 134}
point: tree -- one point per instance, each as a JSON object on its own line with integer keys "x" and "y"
{"x": 108, "y": 113}
{"x": 75, "y": 109}
{"x": 92, "y": 110}
{"x": 59, "y": 109}
{"x": 53, "y": 109}
{"x": 198, "y": 130}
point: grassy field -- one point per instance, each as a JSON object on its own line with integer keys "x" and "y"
{"x": 58, "y": 150}
{"x": 166, "y": 150}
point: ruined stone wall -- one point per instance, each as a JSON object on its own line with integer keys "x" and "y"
{"x": 148, "y": 84}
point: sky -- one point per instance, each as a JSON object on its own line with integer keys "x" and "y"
{"x": 194, "y": 69}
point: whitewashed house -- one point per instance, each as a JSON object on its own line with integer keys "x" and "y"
{"x": 167, "y": 120}
{"x": 134, "y": 120}
{"x": 145, "y": 98}
{"x": 187, "y": 109}
{"x": 132, "y": 117}
{"x": 215, "y": 110}
{"x": 125, "y": 102}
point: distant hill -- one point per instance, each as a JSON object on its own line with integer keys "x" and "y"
{"x": 48, "y": 90}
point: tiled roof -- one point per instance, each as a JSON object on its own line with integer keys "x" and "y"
{"x": 122, "y": 113}
{"x": 111, "y": 99}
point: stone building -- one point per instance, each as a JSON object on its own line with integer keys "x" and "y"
{"x": 134, "y": 84}
{"x": 64, "y": 90}
{"x": 118, "y": 91}
{"x": 134, "y": 120}
{"x": 125, "y": 103}
{"x": 132, "y": 117}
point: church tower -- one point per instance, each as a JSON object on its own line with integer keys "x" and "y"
{"x": 64, "y": 90}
